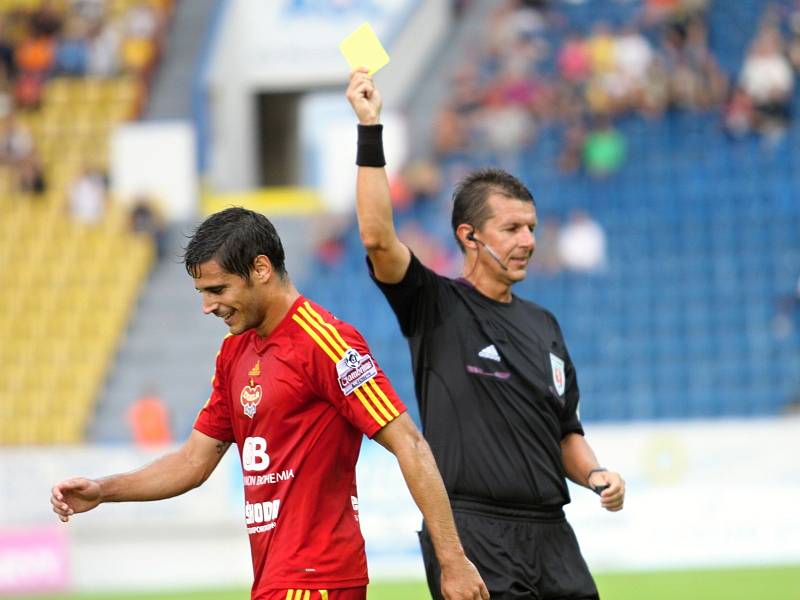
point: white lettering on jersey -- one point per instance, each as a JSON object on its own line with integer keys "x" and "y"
{"x": 261, "y": 515}
{"x": 269, "y": 478}
{"x": 254, "y": 454}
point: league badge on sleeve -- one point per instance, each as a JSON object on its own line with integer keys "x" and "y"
{"x": 354, "y": 370}
{"x": 559, "y": 377}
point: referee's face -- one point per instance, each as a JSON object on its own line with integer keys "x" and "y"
{"x": 509, "y": 232}
{"x": 230, "y": 297}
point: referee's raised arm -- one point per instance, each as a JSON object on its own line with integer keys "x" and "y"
{"x": 389, "y": 256}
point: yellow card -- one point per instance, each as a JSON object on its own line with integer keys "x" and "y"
{"x": 362, "y": 48}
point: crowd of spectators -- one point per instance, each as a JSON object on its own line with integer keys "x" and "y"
{"x": 533, "y": 70}
{"x": 66, "y": 38}
{"x": 761, "y": 100}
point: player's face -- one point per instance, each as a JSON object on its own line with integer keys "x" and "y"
{"x": 509, "y": 232}
{"x": 230, "y": 297}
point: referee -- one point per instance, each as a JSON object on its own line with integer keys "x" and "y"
{"x": 497, "y": 389}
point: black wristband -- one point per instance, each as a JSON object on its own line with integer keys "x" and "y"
{"x": 370, "y": 146}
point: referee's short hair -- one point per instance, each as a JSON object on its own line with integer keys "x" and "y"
{"x": 470, "y": 198}
{"x": 234, "y": 237}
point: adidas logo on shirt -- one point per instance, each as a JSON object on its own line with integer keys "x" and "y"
{"x": 490, "y": 352}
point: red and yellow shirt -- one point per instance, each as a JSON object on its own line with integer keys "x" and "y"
{"x": 297, "y": 404}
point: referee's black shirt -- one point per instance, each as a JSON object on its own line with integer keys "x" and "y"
{"x": 486, "y": 383}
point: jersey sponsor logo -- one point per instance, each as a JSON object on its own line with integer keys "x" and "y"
{"x": 490, "y": 352}
{"x": 254, "y": 454}
{"x": 250, "y": 398}
{"x": 355, "y": 370}
{"x": 261, "y": 516}
{"x": 268, "y": 478}
{"x": 496, "y": 374}
{"x": 559, "y": 378}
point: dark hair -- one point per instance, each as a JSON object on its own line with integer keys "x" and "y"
{"x": 234, "y": 237}
{"x": 470, "y": 198}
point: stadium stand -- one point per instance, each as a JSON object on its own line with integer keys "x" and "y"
{"x": 72, "y": 73}
{"x": 702, "y": 234}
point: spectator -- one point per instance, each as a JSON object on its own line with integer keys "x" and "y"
{"x": 87, "y": 198}
{"x": 601, "y": 47}
{"x": 146, "y": 220}
{"x": 104, "y": 42}
{"x": 148, "y": 418}
{"x": 72, "y": 54}
{"x": 603, "y": 150}
{"x": 582, "y": 244}
{"x": 7, "y": 59}
{"x": 574, "y": 61}
{"x": 16, "y": 141}
{"x": 768, "y": 80}
{"x": 30, "y": 176}
{"x": 46, "y": 21}
{"x": 633, "y": 56}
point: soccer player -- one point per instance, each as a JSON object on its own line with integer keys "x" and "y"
{"x": 497, "y": 390}
{"x": 295, "y": 389}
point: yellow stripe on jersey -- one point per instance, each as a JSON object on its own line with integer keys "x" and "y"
{"x": 369, "y": 408}
{"x": 307, "y": 595}
{"x": 383, "y": 397}
{"x": 375, "y": 400}
{"x": 334, "y": 346}
{"x": 289, "y": 594}
{"x": 315, "y": 337}
{"x": 333, "y": 329}
{"x": 325, "y": 333}
{"x": 323, "y": 594}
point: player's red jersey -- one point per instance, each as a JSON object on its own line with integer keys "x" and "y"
{"x": 297, "y": 404}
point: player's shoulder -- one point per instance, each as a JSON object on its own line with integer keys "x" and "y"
{"x": 319, "y": 329}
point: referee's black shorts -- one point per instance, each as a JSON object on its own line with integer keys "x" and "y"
{"x": 519, "y": 557}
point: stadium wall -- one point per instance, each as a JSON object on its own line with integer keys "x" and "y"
{"x": 286, "y": 46}
{"x": 700, "y": 494}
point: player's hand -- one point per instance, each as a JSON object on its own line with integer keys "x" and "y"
{"x": 74, "y": 496}
{"x": 461, "y": 581}
{"x": 364, "y": 97}
{"x": 613, "y": 497}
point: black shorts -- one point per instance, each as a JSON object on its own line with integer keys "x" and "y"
{"x": 517, "y": 557}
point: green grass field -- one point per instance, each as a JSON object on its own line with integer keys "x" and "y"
{"x": 774, "y": 583}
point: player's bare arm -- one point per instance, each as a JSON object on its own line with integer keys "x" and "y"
{"x": 171, "y": 475}
{"x": 581, "y": 466}
{"x": 390, "y": 257}
{"x": 460, "y": 578}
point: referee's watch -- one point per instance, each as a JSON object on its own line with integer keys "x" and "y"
{"x": 599, "y": 488}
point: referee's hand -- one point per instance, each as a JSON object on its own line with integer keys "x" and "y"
{"x": 364, "y": 97}
{"x": 461, "y": 581}
{"x": 612, "y": 496}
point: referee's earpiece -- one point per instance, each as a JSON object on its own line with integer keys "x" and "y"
{"x": 471, "y": 237}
